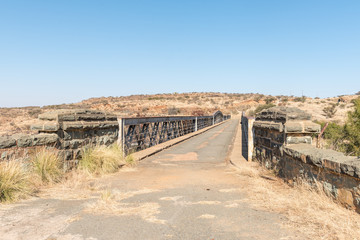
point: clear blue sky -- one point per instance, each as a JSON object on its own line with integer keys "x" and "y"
{"x": 64, "y": 51}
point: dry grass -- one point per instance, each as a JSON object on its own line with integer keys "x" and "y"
{"x": 207, "y": 216}
{"x": 13, "y": 181}
{"x": 110, "y": 203}
{"x": 309, "y": 210}
{"x": 18, "y": 181}
{"x": 101, "y": 159}
{"x": 130, "y": 160}
{"x": 47, "y": 166}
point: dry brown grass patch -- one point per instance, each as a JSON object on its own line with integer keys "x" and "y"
{"x": 110, "y": 203}
{"x": 308, "y": 210}
{"x": 14, "y": 181}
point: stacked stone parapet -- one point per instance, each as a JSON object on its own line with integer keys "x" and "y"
{"x": 283, "y": 143}
{"x": 64, "y": 130}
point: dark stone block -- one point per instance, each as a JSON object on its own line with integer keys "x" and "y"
{"x": 7, "y": 142}
{"x": 25, "y": 140}
{"x": 45, "y": 139}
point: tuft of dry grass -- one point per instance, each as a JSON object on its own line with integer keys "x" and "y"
{"x": 308, "y": 209}
{"x": 101, "y": 159}
{"x": 47, "y": 166}
{"x": 130, "y": 160}
{"x": 13, "y": 181}
{"x": 110, "y": 203}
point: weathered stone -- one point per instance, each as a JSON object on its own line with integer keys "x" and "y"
{"x": 41, "y": 139}
{"x": 90, "y": 117}
{"x": 66, "y": 117}
{"x": 330, "y": 189}
{"x": 339, "y": 174}
{"x": 347, "y": 169}
{"x": 24, "y": 140}
{"x": 69, "y": 114}
{"x": 293, "y": 127}
{"x": 72, "y": 125}
{"x": 48, "y": 116}
{"x": 110, "y": 117}
{"x": 45, "y": 127}
{"x": 297, "y": 140}
{"x": 332, "y": 165}
{"x": 269, "y": 125}
{"x": 7, "y": 142}
{"x": 68, "y": 154}
{"x": 73, "y": 144}
{"x": 3, "y": 155}
{"x": 45, "y": 139}
{"x": 66, "y": 135}
{"x": 76, "y": 143}
{"x": 283, "y": 114}
{"x": 89, "y": 125}
{"x": 312, "y": 127}
{"x": 345, "y": 197}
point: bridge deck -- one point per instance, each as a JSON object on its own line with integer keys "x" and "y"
{"x": 185, "y": 192}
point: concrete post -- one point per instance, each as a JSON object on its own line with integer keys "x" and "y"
{"x": 196, "y": 127}
{"x": 121, "y": 139}
{"x": 250, "y": 139}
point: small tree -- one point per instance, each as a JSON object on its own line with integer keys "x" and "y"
{"x": 330, "y": 111}
{"x": 334, "y": 134}
{"x": 352, "y": 130}
{"x": 270, "y": 100}
{"x": 173, "y": 111}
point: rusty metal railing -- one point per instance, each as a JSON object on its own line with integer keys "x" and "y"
{"x": 136, "y": 134}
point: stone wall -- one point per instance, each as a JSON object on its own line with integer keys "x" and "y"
{"x": 21, "y": 145}
{"x": 64, "y": 130}
{"x": 283, "y": 142}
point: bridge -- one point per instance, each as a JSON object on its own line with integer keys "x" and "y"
{"x": 192, "y": 188}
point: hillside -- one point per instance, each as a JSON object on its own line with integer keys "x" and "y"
{"x": 18, "y": 120}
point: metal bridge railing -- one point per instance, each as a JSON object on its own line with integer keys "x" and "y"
{"x": 140, "y": 133}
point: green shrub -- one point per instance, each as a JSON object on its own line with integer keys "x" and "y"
{"x": 14, "y": 182}
{"x": 330, "y": 111}
{"x": 269, "y": 100}
{"x": 173, "y": 111}
{"x": 352, "y": 130}
{"x": 346, "y": 138}
{"x": 47, "y": 165}
{"x": 284, "y": 99}
{"x": 334, "y": 136}
{"x": 300, "y": 99}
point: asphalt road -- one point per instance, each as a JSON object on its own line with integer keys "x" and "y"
{"x": 185, "y": 192}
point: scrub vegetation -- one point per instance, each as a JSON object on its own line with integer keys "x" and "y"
{"x": 345, "y": 138}
{"x": 19, "y": 179}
